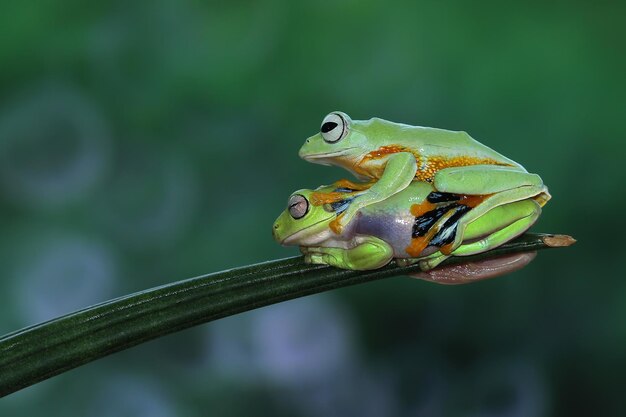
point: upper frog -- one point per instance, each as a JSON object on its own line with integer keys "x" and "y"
{"x": 364, "y": 146}
{"x": 393, "y": 155}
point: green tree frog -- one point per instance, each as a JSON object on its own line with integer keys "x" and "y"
{"x": 390, "y": 156}
{"x": 412, "y": 225}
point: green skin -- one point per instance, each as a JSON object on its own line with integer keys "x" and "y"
{"x": 352, "y": 249}
{"x": 431, "y": 155}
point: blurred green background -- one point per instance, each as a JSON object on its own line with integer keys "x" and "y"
{"x": 150, "y": 141}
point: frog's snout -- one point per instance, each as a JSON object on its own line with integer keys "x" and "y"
{"x": 304, "y": 149}
{"x": 275, "y": 230}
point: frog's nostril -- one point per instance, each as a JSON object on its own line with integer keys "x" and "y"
{"x": 308, "y": 140}
{"x": 276, "y": 226}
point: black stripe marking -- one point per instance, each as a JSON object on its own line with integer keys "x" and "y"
{"x": 437, "y": 197}
{"x": 341, "y": 205}
{"x": 443, "y": 237}
{"x": 423, "y": 223}
{"x": 344, "y": 190}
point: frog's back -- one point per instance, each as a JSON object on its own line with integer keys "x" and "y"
{"x": 429, "y": 143}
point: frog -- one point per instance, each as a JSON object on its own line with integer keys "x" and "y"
{"x": 387, "y": 229}
{"x": 388, "y": 156}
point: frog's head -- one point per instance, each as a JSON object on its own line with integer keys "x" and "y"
{"x": 303, "y": 223}
{"x": 340, "y": 141}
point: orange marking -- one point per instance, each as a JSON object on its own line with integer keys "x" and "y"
{"x": 427, "y": 167}
{"x": 379, "y": 153}
{"x": 364, "y": 172}
{"x": 385, "y": 151}
{"x": 473, "y": 200}
{"x": 335, "y": 226}
{"x": 353, "y": 185}
{"x": 447, "y": 248}
{"x": 418, "y": 244}
{"x": 418, "y": 210}
{"x": 319, "y": 199}
{"x": 469, "y": 201}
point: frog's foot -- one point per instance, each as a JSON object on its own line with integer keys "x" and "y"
{"x": 370, "y": 253}
{"x": 314, "y": 258}
{"x": 477, "y": 271}
{"x": 314, "y": 255}
{"x": 426, "y": 263}
{"x": 429, "y": 262}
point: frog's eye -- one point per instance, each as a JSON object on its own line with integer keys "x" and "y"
{"x": 334, "y": 127}
{"x": 298, "y": 206}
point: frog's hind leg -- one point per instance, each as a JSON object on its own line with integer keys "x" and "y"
{"x": 523, "y": 215}
{"x": 498, "y": 226}
{"x": 369, "y": 253}
{"x": 486, "y": 187}
{"x": 502, "y": 199}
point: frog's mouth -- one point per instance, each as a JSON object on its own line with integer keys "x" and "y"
{"x": 299, "y": 238}
{"x": 326, "y": 154}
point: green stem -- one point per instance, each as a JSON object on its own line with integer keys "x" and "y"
{"x": 39, "y": 352}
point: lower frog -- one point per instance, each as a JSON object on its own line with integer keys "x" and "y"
{"x": 411, "y": 226}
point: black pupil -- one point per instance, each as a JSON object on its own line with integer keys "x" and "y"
{"x": 328, "y": 126}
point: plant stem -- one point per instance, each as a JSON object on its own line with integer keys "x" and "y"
{"x": 39, "y": 352}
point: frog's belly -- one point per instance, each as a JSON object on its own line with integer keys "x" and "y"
{"x": 395, "y": 230}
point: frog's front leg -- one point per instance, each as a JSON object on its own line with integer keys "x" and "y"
{"x": 398, "y": 173}
{"x": 369, "y": 253}
{"x": 498, "y": 185}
